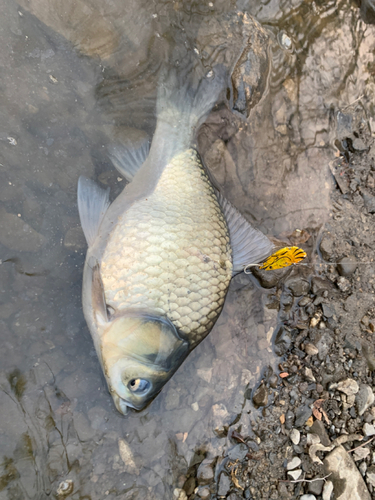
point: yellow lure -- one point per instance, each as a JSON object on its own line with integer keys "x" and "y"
{"x": 283, "y": 258}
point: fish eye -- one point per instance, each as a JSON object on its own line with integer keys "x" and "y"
{"x": 139, "y": 385}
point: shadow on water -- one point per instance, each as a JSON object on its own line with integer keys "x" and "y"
{"x": 74, "y": 77}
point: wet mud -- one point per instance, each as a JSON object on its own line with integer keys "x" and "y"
{"x": 296, "y": 157}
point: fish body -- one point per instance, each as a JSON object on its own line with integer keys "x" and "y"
{"x": 161, "y": 257}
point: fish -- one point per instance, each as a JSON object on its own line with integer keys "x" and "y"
{"x": 161, "y": 256}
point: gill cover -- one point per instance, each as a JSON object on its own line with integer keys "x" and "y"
{"x": 140, "y": 353}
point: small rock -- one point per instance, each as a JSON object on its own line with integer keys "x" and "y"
{"x": 295, "y": 474}
{"x": 346, "y": 266}
{"x": 295, "y": 436}
{"x": 127, "y": 457}
{"x": 362, "y": 467}
{"x": 369, "y": 202}
{"x": 298, "y": 286}
{"x": 293, "y": 464}
{"x": 327, "y": 490}
{"x": 302, "y": 415}
{"x": 360, "y": 453}
{"x": 310, "y": 349}
{"x": 327, "y": 246}
{"x": 205, "y": 473}
{"x": 328, "y": 311}
{"x": 308, "y": 497}
{"x": 370, "y": 475}
{"x": 260, "y": 397}
{"x": 65, "y": 488}
{"x": 308, "y": 374}
{"x": 224, "y": 485}
{"x": 343, "y": 284}
{"x": 203, "y": 492}
{"x": 316, "y": 487}
{"x": 239, "y": 452}
{"x": 369, "y": 430}
{"x": 179, "y": 494}
{"x": 348, "y": 386}
{"x": 345, "y": 475}
{"x": 195, "y": 406}
{"x": 189, "y": 486}
{"x": 319, "y": 429}
{"x": 364, "y": 398}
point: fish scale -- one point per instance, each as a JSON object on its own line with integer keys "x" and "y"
{"x": 170, "y": 253}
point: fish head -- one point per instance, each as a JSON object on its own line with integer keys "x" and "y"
{"x": 140, "y": 352}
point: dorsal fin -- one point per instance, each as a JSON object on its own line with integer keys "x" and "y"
{"x": 127, "y": 160}
{"x": 92, "y": 205}
{"x": 249, "y": 245}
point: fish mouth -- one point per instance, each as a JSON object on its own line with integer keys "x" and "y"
{"x": 122, "y": 405}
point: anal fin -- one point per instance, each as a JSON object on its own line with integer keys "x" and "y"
{"x": 249, "y": 245}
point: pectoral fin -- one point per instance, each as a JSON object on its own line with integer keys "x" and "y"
{"x": 92, "y": 205}
{"x": 249, "y": 245}
{"x": 97, "y": 295}
{"x": 128, "y": 160}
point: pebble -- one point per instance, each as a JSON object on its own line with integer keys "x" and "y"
{"x": 316, "y": 486}
{"x": 310, "y": 349}
{"x": 302, "y": 415}
{"x": 308, "y": 374}
{"x": 224, "y": 485}
{"x": 308, "y": 497}
{"x": 295, "y": 436}
{"x": 203, "y": 492}
{"x": 345, "y": 475}
{"x": 370, "y": 475}
{"x": 363, "y": 466}
{"x": 347, "y": 265}
{"x": 327, "y": 247}
{"x": 360, "y": 453}
{"x": 205, "y": 473}
{"x": 364, "y": 398}
{"x": 348, "y": 387}
{"x": 369, "y": 430}
{"x": 343, "y": 283}
{"x": 295, "y": 474}
{"x": 260, "y": 397}
{"x": 179, "y": 494}
{"x": 293, "y": 464}
{"x": 327, "y": 490}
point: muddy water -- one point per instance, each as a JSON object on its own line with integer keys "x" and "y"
{"x": 66, "y": 74}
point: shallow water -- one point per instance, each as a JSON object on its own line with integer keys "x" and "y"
{"x": 72, "y": 80}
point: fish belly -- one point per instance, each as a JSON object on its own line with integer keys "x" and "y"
{"x": 170, "y": 253}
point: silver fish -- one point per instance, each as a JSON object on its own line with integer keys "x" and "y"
{"x": 160, "y": 258}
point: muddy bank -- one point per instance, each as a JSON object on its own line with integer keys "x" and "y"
{"x": 314, "y": 429}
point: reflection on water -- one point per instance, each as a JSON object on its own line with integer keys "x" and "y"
{"x": 59, "y": 109}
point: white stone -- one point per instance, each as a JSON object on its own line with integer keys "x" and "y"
{"x": 360, "y": 453}
{"x": 364, "y": 399}
{"x": 348, "y": 386}
{"x": 312, "y": 439}
{"x": 295, "y": 474}
{"x": 295, "y": 436}
{"x": 195, "y": 406}
{"x": 309, "y": 496}
{"x": 369, "y": 430}
{"x": 293, "y": 464}
{"x": 345, "y": 475}
{"x": 327, "y": 490}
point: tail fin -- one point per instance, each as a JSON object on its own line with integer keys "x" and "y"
{"x": 184, "y": 100}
